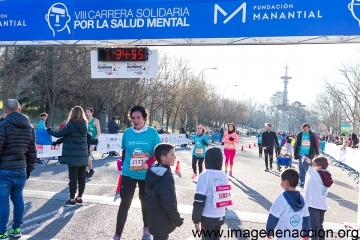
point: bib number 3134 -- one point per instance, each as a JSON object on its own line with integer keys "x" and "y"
{"x": 137, "y": 160}
{"x": 222, "y": 196}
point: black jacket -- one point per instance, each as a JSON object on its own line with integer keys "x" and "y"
{"x": 162, "y": 213}
{"x": 314, "y": 149}
{"x": 17, "y": 143}
{"x": 113, "y": 127}
{"x": 75, "y": 148}
{"x": 268, "y": 139}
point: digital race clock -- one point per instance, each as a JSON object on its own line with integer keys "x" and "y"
{"x": 123, "y": 54}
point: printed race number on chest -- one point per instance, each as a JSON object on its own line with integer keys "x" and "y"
{"x": 199, "y": 151}
{"x": 305, "y": 143}
{"x": 230, "y": 146}
{"x": 137, "y": 160}
{"x": 222, "y": 196}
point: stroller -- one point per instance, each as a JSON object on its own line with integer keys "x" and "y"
{"x": 283, "y": 160}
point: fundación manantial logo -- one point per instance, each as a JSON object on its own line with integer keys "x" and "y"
{"x": 354, "y": 8}
{"x": 58, "y": 18}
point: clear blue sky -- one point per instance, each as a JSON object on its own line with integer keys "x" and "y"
{"x": 257, "y": 69}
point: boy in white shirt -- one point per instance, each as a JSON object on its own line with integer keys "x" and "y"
{"x": 289, "y": 213}
{"x": 206, "y": 211}
{"x": 317, "y": 183}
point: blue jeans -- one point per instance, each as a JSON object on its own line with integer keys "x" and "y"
{"x": 303, "y": 168}
{"x": 12, "y": 183}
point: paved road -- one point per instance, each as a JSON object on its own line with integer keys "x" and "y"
{"x": 254, "y": 191}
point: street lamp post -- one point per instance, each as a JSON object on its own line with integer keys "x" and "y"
{"x": 197, "y": 104}
{"x": 222, "y": 108}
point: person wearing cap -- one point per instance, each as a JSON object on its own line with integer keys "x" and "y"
{"x": 200, "y": 142}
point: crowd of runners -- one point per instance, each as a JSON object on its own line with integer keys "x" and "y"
{"x": 146, "y": 163}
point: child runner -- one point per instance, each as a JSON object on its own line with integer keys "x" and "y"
{"x": 162, "y": 213}
{"x": 258, "y": 136}
{"x": 229, "y": 139}
{"x": 317, "y": 183}
{"x": 206, "y": 211}
{"x": 289, "y": 213}
{"x": 200, "y": 142}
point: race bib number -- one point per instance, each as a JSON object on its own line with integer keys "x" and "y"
{"x": 305, "y": 143}
{"x": 199, "y": 151}
{"x": 230, "y": 146}
{"x": 137, "y": 160}
{"x": 222, "y": 196}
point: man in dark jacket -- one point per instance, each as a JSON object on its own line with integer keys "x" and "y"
{"x": 268, "y": 139}
{"x": 113, "y": 126}
{"x": 17, "y": 160}
{"x": 113, "y": 129}
{"x": 162, "y": 213}
{"x": 306, "y": 145}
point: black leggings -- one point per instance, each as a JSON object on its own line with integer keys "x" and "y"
{"x": 194, "y": 161}
{"x": 278, "y": 151}
{"x": 269, "y": 152}
{"x": 212, "y": 232}
{"x": 260, "y": 149}
{"x": 127, "y": 190}
{"x": 77, "y": 175}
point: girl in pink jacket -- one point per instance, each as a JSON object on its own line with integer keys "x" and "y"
{"x": 229, "y": 139}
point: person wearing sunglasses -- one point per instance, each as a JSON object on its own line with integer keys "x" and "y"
{"x": 200, "y": 142}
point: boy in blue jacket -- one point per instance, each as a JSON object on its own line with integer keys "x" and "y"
{"x": 162, "y": 213}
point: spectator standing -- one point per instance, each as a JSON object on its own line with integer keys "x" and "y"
{"x": 355, "y": 141}
{"x": 350, "y": 141}
{"x": 75, "y": 152}
{"x": 161, "y": 131}
{"x": 41, "y": 125}
{"x": 113, "y": 128}
{"x": 17, "y": 159}
{"x": 344, "y": 141}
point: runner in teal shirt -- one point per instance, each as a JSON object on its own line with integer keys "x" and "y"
{"x": 198, "y": 154}
{"x": 138, "y": 147}
{"x": 138, "y": 144}
{"x": 258, "y": 136}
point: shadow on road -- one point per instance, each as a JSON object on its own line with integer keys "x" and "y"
{"x": 252, "y": 194}
{"x": 343, "y": 202}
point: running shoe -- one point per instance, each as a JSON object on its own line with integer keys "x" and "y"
{"x": 91, "y": 173}
{"x": 116, "y": 237}
{"x": 146, "y": 235}
{"x": 70, "y": 203}
{"x": 15, "y": 233}
{"x": 78, "y": 202}
{"x": 267, "y": 169}
{"x": 230, "y": 173}
{"x": 194, "y": 176}
{"x": 4, "y": 236}
{"x": 271, "y": 167}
